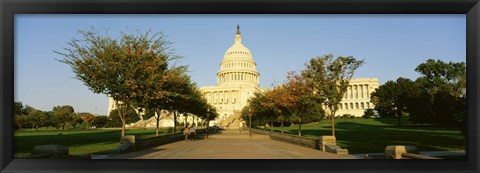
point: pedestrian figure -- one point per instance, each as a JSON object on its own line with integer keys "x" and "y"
{"x": 186, "y": 132}
{"x": 193, "y": 133}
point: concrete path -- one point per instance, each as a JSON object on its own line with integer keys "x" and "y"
{"x": 231, "y": 144}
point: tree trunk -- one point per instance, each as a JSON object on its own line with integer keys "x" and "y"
{"x": 123, "y": 115}
{"x": 271, "y": 126}
{"x": 299, "y": 127}
{"x": 332, "y": 113}
{"x": 282, "y": 126}
{"x": 36, "y": 128}
{"x": 174, "y": 122}
{"x": 158, "y": 121}
{"x": 123, "y": 127}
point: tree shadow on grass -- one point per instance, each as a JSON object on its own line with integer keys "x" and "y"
{"x": 365, "y": 138}
{"x": 99, "y": 141}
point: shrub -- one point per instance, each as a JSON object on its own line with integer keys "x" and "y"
{"x": 347, "y": 116}
{"x": 368, "y": 113}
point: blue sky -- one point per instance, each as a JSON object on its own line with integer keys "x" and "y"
{"x": 392, "y": 46}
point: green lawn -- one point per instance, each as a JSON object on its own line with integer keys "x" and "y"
{"x": 361, "y": 135}
{"x": 79, "y": 142}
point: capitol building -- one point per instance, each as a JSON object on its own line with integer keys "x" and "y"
{"x": 238, "y": 80}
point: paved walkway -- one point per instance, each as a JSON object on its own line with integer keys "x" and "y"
{"x": 231, "y": 144}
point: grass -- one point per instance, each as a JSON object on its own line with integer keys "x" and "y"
{"x": 79, "y": 142}
{"x": 361, "y": 135}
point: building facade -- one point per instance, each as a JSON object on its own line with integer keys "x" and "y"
{"x": 357, "y": 98}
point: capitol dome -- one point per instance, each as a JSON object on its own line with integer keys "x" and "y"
{"x": 238, "y": 66}
{"x": 238, "y": 50}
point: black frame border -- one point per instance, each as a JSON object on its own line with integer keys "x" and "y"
{"x": 8, "y": 9}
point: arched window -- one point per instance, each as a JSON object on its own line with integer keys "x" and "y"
{"x": 363, "y": 105}
{"x": 346, "y": 105}
{"x": 356, "y": 105}
{"x": 351, "y": 105}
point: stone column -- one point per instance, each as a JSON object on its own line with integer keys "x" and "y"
{"x": 351, "y": 91}
{"x": 368, "y": 91}
{"x": 361, "y": 89}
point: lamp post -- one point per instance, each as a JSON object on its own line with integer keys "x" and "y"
{"x": 250, "y": 121}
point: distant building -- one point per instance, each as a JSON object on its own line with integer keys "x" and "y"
{"x": 357, "y": 98}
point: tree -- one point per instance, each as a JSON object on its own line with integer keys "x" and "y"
{"x": 36, "y": 119}
{"x": 329, "y": 77}
{"x": 124, "y": 69}
{"x": 27, "y": 109}
{"x": 368, "y": 113}
{"x": 281, "y": 101}
{"x": 51, "y": 120}
{"x": 167, "y": 92}
{"x": 87, "y": 118}
{"x": 445, "y": 84}
{"x": 439, "y": 75}
{"x": 255, "y": 110}
{"x": 148, "y": 113}
{"x": 100, "y": 121}
{"x": 116, "y": 121}
{"x": 63, "y": 115}
{"x": 307, "y": 106}
{"x": 19, "y": 117}
{"x": 392, "y": 98}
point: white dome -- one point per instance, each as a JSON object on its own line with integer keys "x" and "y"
{"x": 238, "y": 50}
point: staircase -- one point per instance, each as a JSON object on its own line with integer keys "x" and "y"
{"x": 232, "y": 122}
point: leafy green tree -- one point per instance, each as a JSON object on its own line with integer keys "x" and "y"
{"x": 445, "y": 84}
{"x": 149, "y": 113}
{"x": 171, "y": 89}
{"x": 329, "y": 77}
{"x": 368, "y": 113}
{"x": 37, "y": 119}
{"x": 116, "y": 121}
{"x": 51, "y": 120}
{"x": 307, "y": 106}
{"x": 19, "y": 117}
{"x": 64, "y": 115}
{"x": 392, "y": 98}
{"x": 440, "y": 75}
{"x": 125, "y": 69}
{"x": 27, "y": 109}
{"x": 100, "y": 121}
{"x": 281, "y": 101}
{"x": 255, "y": 110}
